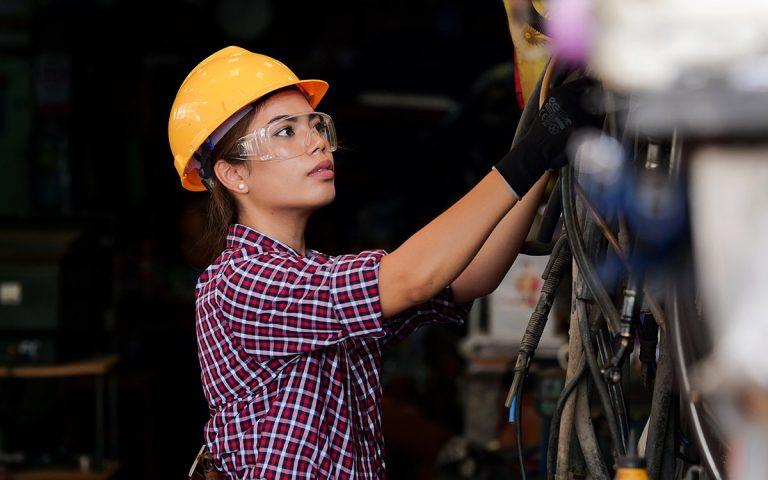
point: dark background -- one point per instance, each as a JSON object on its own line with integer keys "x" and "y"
{"x": 85, "y": 93}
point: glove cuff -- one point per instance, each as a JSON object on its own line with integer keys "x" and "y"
{"x": 521, "y": 169}
{"x": 517, "y": 195}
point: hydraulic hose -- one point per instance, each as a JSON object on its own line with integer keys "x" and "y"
{"x": 585, "y": 431}
{"x": 578, "y": 373}
{"x": 559, "y": 262}
{"x": 660, "y": 406}
{"x": 565, "y": 454}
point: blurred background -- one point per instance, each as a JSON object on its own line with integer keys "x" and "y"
{"x": 98, "y": 241}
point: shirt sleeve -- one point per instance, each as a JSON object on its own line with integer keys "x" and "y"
{"x": 279, "y": 305}
{"x": 440, "y": 309}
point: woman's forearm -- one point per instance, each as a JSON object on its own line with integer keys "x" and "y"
{"x": 433, "y": 257}
{"x": 490, "y": 265}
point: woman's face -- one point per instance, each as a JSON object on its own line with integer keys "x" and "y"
{"x": 304, "y": 182}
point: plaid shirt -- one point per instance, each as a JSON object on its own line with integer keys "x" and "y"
{"x": 290, "y": 350}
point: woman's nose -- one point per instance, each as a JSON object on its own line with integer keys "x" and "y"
{"x": 316, "y": 141}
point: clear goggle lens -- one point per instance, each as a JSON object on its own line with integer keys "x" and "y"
{"x": 287, "y": 137}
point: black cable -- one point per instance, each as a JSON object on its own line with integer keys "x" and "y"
{"x": 578, "y": 251}
{"x": 615, "y": 390}
{"x": 649, "y": 334}
{"x": 535, "y": 248}
{"x": 597, "y": 376}
{"x": 591, "y": 279}
{"x": 519, "y": 427}
{"x": 555, "y": 423}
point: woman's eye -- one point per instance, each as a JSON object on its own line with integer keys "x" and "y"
{"x": 320, "y": 127}
{"x": 285, "y": 132}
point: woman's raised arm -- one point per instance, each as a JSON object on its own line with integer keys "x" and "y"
{"x": 435, "y": 256}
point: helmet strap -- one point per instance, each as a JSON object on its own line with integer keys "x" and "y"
{"x": 205, "y": 171}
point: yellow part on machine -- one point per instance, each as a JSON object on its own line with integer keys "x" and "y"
{"x": 215, "y": 90}
{"x": 631, "y": 474}
{"x": 531, "y": 46}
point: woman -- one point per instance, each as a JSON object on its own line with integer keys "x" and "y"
{"x": 290, "y": 339}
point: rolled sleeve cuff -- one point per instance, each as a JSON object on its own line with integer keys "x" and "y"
{"x": 355, "y": 293}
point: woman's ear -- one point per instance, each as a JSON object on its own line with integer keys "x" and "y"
{"x": 230, "y": 176}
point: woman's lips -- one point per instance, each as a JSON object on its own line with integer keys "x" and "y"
{"x": 322, "y": 170}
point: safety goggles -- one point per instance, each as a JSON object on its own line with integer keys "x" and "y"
{"x": 286, "y": 137}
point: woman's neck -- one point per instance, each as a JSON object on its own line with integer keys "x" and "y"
{"x": 287, "y": 229}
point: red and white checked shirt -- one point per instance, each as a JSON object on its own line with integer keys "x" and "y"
{"x": 290, "y": 349}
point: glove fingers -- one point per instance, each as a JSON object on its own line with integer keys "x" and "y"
{"x": 583, "y": 99}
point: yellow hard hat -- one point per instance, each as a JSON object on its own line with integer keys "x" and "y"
{"x": 218, "y": 88}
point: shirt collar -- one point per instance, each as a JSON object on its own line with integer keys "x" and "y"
{"x": 242, "y": 236}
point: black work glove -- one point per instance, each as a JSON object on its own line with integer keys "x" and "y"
{"x": 568, "y": 108}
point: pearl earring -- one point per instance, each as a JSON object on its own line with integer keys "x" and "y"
{"x": 241, "y": 186}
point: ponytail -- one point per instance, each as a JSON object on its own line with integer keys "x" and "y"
{"x": 223, "y": 210}
{"x": 222, "y": 207}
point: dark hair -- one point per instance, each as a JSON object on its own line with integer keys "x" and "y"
{"x": 223, "y": 209}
